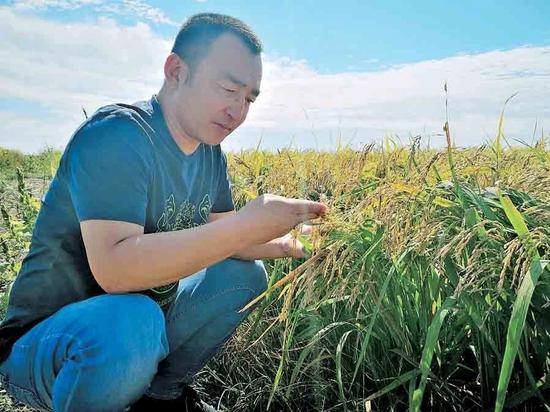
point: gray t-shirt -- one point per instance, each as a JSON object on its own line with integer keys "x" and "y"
{"x": 121, "y": 164}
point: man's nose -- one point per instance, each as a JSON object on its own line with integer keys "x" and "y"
{"x": 236, "y": 109}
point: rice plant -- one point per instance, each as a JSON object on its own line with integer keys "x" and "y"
{"x": 409, "y": 300}
{"x": 427, "y": 287}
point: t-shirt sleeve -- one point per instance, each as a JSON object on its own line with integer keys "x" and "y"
{"x": 224, "y": 199}
{"x": 109, "y": 164}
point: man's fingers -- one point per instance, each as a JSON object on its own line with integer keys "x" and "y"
{"x": 298, "y": 250}
{"x": 309, "y": 207}
{"x": 308, "y": 217}
{"x": 306, "y": 229}
{"x": 292, "y": 247}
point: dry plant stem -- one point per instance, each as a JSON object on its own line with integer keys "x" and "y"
{"x": 287, "y": 278}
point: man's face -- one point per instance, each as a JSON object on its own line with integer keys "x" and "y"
{"x": 216, "y": 98}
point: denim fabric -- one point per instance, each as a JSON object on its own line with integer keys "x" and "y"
{"x": 103, "y": 353}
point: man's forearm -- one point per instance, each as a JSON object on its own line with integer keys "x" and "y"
{"x": 269, "y": 250}
{"x": 155, "y": 259}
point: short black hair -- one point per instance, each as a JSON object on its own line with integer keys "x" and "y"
{"x": 199, "y": 31}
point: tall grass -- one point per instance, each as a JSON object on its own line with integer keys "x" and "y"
{"x": 408, "y": 302}
{"x": 426, "y": 288}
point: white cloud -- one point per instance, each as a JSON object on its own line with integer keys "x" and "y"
{"x": 66, "y": 67}
{"x": 30, "y": 133}
{"x": 133, "y": 8}
{"x": 137, "y": 8}
{"x": 59, "y": 64}
{"x": 62, "y": 68}
{"x": 53, "y": 4}
{"x": 408, "y": 99}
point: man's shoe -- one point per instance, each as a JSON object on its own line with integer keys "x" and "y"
{"x": 188, "y": 401}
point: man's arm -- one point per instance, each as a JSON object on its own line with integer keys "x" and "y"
{"x": 276, "y": 248}
{"x": 122, "y": 258}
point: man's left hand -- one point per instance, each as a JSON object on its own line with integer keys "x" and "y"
{"x": 292, "y": 247}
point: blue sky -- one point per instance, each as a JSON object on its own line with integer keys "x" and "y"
{"x": 336, "y": 36}
{"x": 356, "y": 70}
{"x": 365, "y": 35}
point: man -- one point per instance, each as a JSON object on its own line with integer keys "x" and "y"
{"x": 98, "y": 316}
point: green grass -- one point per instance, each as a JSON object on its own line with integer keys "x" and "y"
{"x": 42, "y": 164}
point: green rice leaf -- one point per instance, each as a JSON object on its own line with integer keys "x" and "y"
{"x": 521, "y": 305}
{"x": 308, "y": 247}
{"x": 429, "y": 349}
{"x": 400, "y": 380}
{"x": 375, "y": 314}
{"x": 515, "y": 329}
{"x": 441, "y": 201}
{"x": 339, "y": 350}
{"x": 514, "y": 216}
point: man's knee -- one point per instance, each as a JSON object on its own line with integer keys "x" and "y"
{"x": 247, "y": 274}
{"x": 119, "y": 328}
{"x": 124, "y": 340}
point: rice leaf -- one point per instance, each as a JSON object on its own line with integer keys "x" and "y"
{"x": 515, "y": 329}
{"x": 515, "y": 217}
{"x": 374, "y": 316}
{"x": 441, "y": 201}
{"x": 339, "y": 350}
{"x": 429, "y": 349}
{"x": 287, "y": 342}
{"x": 400, "y": 380}
{"x": 306, "y": 243}
{"x": 521, "y": 305}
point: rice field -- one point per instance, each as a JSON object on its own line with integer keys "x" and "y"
{"x": 427, "y": 286}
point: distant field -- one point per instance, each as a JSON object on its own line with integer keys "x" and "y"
{"x": 427, "y": 288}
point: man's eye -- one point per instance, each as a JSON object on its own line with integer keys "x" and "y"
{"x": 229, "y": 90}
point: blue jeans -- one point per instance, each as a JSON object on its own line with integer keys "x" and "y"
{"x": 103, "y": 353}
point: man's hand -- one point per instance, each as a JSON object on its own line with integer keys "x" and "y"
{"x": 291, "y": 246}
{"x": 269, "y": 216}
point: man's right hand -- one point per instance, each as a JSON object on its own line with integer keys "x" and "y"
{"x": 272, "y": 216}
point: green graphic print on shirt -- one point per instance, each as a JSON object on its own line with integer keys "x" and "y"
{"x": 177, "y": 218}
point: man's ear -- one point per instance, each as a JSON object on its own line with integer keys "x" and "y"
{"x": 175, "y": 70}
